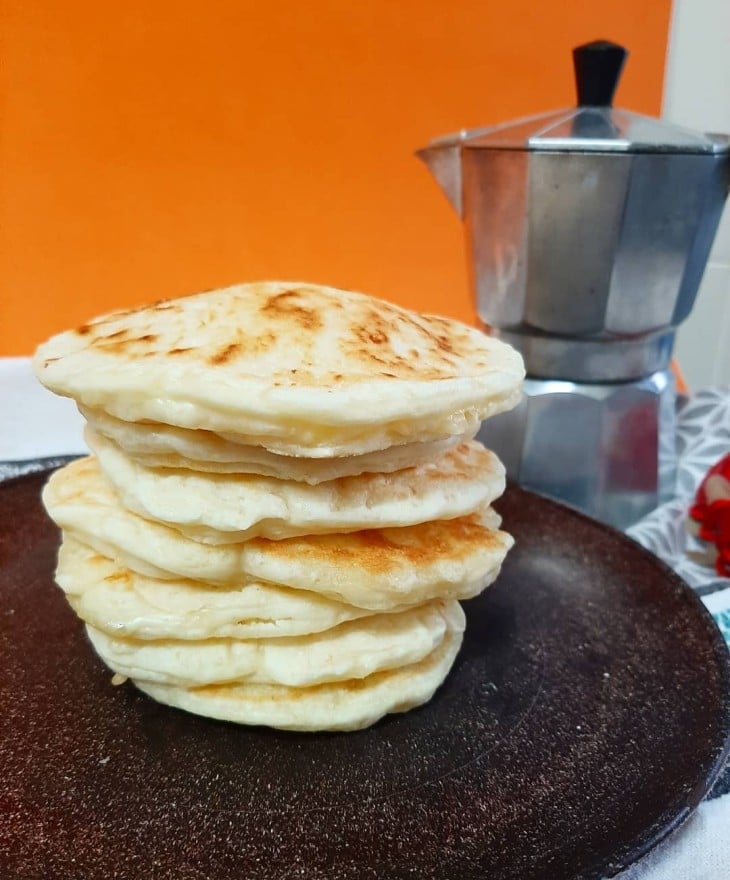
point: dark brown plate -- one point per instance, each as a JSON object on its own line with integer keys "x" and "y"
{"x": 586, "y": 716}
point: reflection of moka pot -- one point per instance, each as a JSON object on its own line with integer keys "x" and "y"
{"x": 588, "y": 230}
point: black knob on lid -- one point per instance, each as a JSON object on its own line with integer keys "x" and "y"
{"x": 598, "y": 66}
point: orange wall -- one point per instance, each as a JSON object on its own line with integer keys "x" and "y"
{"x": 149, "y": 149}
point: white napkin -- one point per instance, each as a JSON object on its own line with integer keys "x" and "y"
{"x": 698, "y": 851}
{"x": 33, "y": 422}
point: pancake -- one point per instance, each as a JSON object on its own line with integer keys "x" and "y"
{"x": 344, "y": 705}
{"x": 126, "y": 604}
{"x": 163, "y": 446}
{"x": 296, "y": 368}
{"x": 218, "y": 508}
{"x": 376, "y": 569}
{"x": 350, "y": 651}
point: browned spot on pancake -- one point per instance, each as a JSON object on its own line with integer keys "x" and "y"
{"x": 98, "y": 324}
{"x": 385, "y": 340}
{"x": 179, "y": 350}
{"x": 381, "y": 551}
{"x": 165, "y": 305}
{"x": 119, "y": 313}
{"x": 264, "y": 341}
{"x": 412, "y": 322}
{"x": 114, "y": 347}
{"x": 353, "y": 685}
{"x": 291, "y": 306}
{"x": 118, "y": 344}
{"x": 225, "y": 354}
{"x": 122, "y": 576}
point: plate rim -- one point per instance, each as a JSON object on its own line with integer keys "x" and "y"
{"x": 721, "y": 653}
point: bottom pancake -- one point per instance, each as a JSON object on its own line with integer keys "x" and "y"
{"x": 344, "y": 705}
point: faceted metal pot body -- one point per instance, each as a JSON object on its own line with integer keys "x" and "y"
{"x": 587, "y": 233}
{"x": 606, "y": 449}
{"x": 589, "y": 262}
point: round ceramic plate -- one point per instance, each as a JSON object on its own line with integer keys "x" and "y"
{"x": 585, "y": 717}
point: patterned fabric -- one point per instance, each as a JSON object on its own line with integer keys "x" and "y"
{"x": 703, "y": 438}
{"x": 723, "y": 620}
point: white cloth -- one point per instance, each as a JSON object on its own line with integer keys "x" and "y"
{"x": 703, "y": 437}
{"x": 697, "y": 851}
{"x": 35, "y": 424}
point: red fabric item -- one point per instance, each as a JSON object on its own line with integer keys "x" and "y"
{"x": 711, "y": 509}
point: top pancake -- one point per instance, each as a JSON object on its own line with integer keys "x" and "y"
{"x": 296, "y": 368}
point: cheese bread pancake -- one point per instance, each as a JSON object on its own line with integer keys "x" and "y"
{"x": 341, "y": 705}
{"x": 296, "y": 368}
{"x": 349, "y": 651}
{"x": 377, "y": 569}
{"x": 164, "y": 446}
{"x": 225, "y": 509}
{"x": 126, "y": 604}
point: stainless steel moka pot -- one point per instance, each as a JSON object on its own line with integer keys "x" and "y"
{"x": 588, "y": 230}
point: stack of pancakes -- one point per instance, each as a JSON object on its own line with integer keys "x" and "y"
{"x": 285, "y": 502}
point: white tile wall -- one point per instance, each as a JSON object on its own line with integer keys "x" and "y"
{"x": 697, "y": 94}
